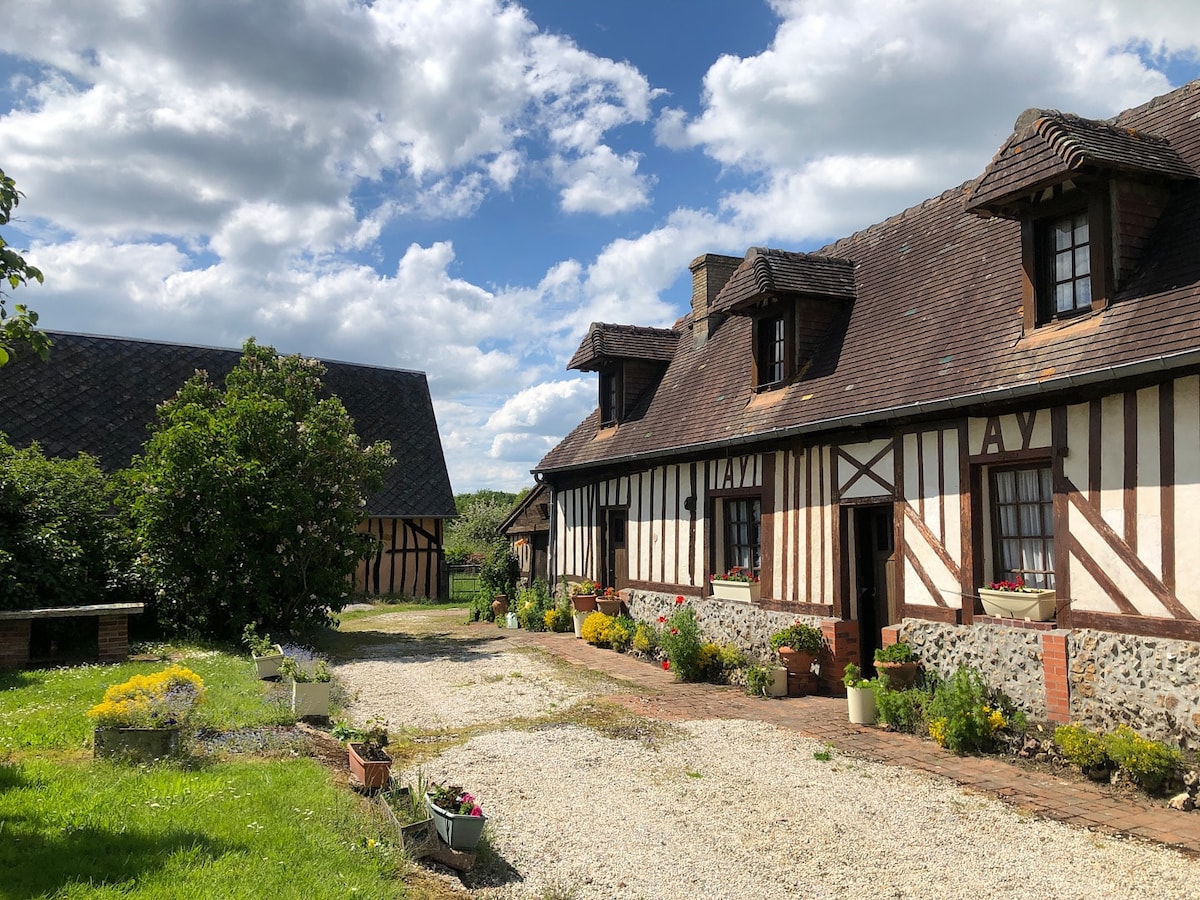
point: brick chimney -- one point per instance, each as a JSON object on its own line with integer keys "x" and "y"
{"x": 709, "y": 274}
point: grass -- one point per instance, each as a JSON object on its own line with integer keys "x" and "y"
{"x": 241, "y": 825}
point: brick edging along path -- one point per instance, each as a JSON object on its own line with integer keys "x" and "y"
{"x": 825, "y": 719}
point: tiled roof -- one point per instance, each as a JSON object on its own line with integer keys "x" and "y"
{"x": 604, "y": 342}
{"x": 766, "y": 273}
{"x": 98, "y": 395}
{"x": 936, "y": 325}
{"x": 1047, "y": 147}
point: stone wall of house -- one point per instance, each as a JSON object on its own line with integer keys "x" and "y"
{"x": 1008, "y": 658}
{"x": 746, "y": 626}
{"x": 1150, "y": 684}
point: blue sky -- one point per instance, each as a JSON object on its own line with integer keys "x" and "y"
{"x": 461, "y": 186}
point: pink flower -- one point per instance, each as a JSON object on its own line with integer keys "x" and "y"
{"x": 666, "y": 664}
{"x": 476, "y": 811}
{"x": 467, "y": 798}
{"x": 662, "y": 619}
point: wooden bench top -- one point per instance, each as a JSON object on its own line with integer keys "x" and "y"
{"x": 67, "y": 612}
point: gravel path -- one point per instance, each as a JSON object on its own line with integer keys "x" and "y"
{"x": 729, "y": 809}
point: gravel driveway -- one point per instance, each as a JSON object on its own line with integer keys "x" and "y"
{"x": 729, "y": 808}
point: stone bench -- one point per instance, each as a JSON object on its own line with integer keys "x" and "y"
{"x": 112, "y": 630}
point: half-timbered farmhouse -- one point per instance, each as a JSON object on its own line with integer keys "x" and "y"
{"x": 98, "y": 395}
{"x": 1001, "y": 383}
{"x": 527, "y": 528}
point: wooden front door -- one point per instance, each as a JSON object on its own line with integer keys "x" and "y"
{"x": 616, "y": 557}
{"x": 875, "y": 567}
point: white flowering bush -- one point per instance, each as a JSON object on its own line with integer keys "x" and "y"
{"x": 246, "y": 502}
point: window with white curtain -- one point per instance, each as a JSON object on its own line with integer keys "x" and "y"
{"x": 1023, "y": 526}
{"x": 742, "y": 540}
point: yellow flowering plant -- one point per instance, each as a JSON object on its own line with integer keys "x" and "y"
{"x": 160, "y": 700}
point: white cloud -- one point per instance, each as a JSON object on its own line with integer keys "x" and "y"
{"x": 603, "y": 182}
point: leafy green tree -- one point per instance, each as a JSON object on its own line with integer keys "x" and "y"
{"x": 17, "y": 327}
{"x": 59, "y": 544}
{"x": 246, "y": 502}
{"x": 478, "y": 523}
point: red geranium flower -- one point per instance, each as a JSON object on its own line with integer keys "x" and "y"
{"x": 666, "y": 664}
{"x": 678, "y": 600}
{"x": 662, "y": 619}
{"x": 674, "y": 631}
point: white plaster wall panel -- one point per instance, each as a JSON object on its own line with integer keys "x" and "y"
{"x": 1112, "y": 462}
{"x": 644, "y": 528}
{"x": 1187, "y": 492}
{"x": 1075, "y": 463}
{"x": 910, "y": 491}
{"x": 930, "y": 465}
{"x": 670, "y": 534}
{"x": 1086, "y": 594}
{"x": 1012, "y": 433}
{"x": 1148, "y": 493}
{"x": 943, "y": 580}
{"x": 825, "y": 544}
{"x": 736, "y": 472}
{"x": 951, "y": 502}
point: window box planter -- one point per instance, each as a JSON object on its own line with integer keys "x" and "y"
{"x": 737, "y": 591}
{"x": 460, "y": 832}
{"x": 136, "y": 744}
{"x": 1037, "y": 605}
{"x": 268, "y": 666}
{"x": 371, "y": 771}
{"x": 310, "y": 699}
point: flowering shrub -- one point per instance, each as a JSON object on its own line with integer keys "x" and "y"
{"x": 160, "y": 700}
{"x": 620, "y": 633}
{"x": 1083, "y": 747}
{"x": 453, "y": 799}
{"x": 596, "y": 629}
{"x": 1149, "y": 763}
{"x": 737, "y": 573}
{"x": 965, "y": 716}
{"x": 681, "y": 642}
{"x": 646, "y": 638}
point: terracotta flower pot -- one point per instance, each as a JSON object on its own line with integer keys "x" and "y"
{"x": 500, "y": 606}
{"x": 800, "y": 679}
{"x": 584, "y": 602}
{"x": 372, "y": 773}
{"x": 900, "y": 675}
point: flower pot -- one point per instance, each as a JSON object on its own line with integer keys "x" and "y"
{"x": 610, "y": 606}
{"x": 371, "y": 773}
{"x": 500, "y": 606}
{"x": 900, "y": 675}
{"x": 1037, "y": 605}
{"x": 800, "y": 679}
{"x": 460, "y": 832}
{"x": 268, "y": 666}
{"x": 577, "y": 618}
{"x": 778, "y": 686}
{"x": 136, "y": 744}
{"x": 861, "y": 704}
{"x": 736, "y": 591}
{"x": 310, "y": 698}
{"x": 584, "y": 602}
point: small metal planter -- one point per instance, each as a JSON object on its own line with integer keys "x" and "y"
{"x": 268, "y": 666}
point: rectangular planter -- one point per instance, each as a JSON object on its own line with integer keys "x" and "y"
{"x": 310, "y": 698}
{"x": 737, "y": 591}
{"x": 136, "y": 744}
{"x": 460, "y": 832}
{"x": 1037, "y": 605}
{"x": 268, "y": 666}
{"x": 778, "y": 687}
{"x": 372, "y": 774}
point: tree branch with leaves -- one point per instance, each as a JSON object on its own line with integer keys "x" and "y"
{"x": 19, "y": 325}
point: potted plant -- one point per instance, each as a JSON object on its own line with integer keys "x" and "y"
{"x": 267, "y": 655}
{"x": 738, "y": 584}
{"x": 456, "y": 814}
{"x": 310, "y": 686}
{"x": 766, "y": 681}
{"x": 141, "y": 718}
{"x": 898, "y": 664}
{"x": 583, "y": 596}
{"x": 608, "y": 601}
{"x": 1015, "y": 600}
{"x": 369, "y": 759}
{"x": 798, "y": 646}
{"x": 860, "y": 696}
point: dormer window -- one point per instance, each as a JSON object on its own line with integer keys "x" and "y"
{"x": 1071, "y": 264}
{"x": 771, "y": 341}
{"x": 610, "y": 396}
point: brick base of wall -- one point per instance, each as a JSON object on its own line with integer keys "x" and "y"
{"x": 1057, "y": 675}
{"x": 114, "y": 638}
{"x": 14, "y": 643}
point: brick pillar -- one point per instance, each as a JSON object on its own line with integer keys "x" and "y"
{"x": 842, "y": 638}
{"x": 890, "y": 635}
{"x": 1054, "y": 667}
{"x": 14, "y": 643}
{"x": 113, "y": 638}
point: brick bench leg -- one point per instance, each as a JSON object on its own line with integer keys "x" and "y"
{"x": 14, "y": 643}
{"x": 113, "y": 638}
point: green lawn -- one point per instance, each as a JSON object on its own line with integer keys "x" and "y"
{"x": 235, "y": 826}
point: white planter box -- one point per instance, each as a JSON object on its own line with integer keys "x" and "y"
{"x": 310, "y": 698}
{"x": 737, "y": 591}
{"x": 861, "y": 704}
{"x": 1037, "y": 605}
{"x": 778, "y": 685}
{"x": 268, "y": 666}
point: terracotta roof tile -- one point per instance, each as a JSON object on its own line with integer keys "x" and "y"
{"x": 98, "y": 395}
{"x": 766, "y": 273}
{"x": 608, "y": 342}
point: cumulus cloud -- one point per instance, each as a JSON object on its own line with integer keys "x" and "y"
{"x": 603, "y": 182}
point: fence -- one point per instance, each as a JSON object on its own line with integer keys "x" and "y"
{"x": 464, "y": 583}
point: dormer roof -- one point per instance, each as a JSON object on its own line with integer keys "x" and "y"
{"x": 1048, "y": 147}
{"x": 770, "y": 274}
{"x": 606, "y": 343}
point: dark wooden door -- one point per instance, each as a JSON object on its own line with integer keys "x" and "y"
{"x": 616, "y": 556}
